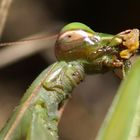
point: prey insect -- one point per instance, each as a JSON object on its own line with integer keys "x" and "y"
{"x": 79, "y": 50}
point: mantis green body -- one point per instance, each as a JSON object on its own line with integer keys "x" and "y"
{"x": 37, "y": 115}
{"x": 79, "y": 50}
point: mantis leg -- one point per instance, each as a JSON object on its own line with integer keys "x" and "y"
{"x": 126, "y": 67}
{"x": 105, "y": 57}
{"x": 108, "y": 62}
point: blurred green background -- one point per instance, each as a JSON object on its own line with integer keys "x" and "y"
{"x": 89, "y": 103}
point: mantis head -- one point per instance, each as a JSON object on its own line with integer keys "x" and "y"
{"x": 99, "y": 52}
{"x": 74, "y": 42}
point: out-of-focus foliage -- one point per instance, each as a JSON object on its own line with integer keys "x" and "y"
{"x": 123, "y": 119}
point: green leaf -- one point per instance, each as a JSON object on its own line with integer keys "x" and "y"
{"x": 123, "y": 119}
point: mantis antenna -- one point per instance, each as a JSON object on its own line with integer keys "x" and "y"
{"x": 28, "y": 40}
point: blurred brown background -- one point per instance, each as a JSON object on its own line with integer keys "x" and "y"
{"x": 90, "y": 101}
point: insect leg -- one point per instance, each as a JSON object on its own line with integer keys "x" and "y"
{"x": 107, "y": 62}
{"x": 100, "y": 52}
{"x": 126, "y": 67}
{"x": 111, "y": 62}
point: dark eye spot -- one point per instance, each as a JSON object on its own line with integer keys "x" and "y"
{"x": 73, "y": 74}
{"x": 69, "y": 36}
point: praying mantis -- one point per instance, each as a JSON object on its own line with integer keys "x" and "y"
{"x": 79, "y": 51}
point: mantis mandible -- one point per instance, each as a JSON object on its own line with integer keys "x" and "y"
{"x": 79, "y": 51}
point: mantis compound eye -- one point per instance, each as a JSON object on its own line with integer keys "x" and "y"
{"x": 71, "y": 37}
{"x": 71, "y": 41}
